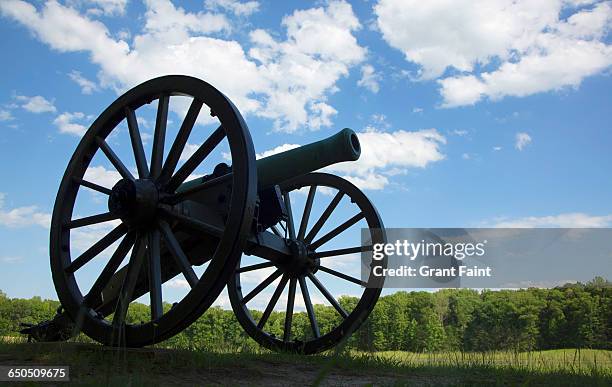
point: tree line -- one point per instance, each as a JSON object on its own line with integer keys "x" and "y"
{"x": 571, "y": 316}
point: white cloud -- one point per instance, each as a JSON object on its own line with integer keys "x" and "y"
{"x": 300, "y": 72}
{"x": 106, "y": 7}
{"x": 321, "y": 114}
{"x": 497, "y": 148}
{"x": 238, "y": 8}
{"x": 531, "y": 46}
{"x": 87, "y": 86}
{"x": 369, "y": 181}
{"x": 36, "y": 104}
{"x": 162, "y": 17}
{"x": 567, "y": 220}
{"x": 22, "y": 216}
{"x": 384, "y": 154}
{"x": 417, "y": 110}
{"x": 102, "y": 176}
{"x": 5, "y": 115}
{"x": 460, "y": 132}
{"x": 189, "y": 150}
{"x": 65, "y": 123}
{"x": 466, "y": 156}
{"x": 522, "y": 140}
{"x": 112, "y": 7}
{"x": 278, "y": 149}
{"x": 286, "y": 80}
{"x": 83, "y": 238}
{"x": 178, "y": 283}
{"x": 369, "y": 78}
{"x": 80, "y": 238}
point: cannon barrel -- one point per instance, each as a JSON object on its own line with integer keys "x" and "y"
{"x": 271, "y": 170}
{"x": 342, "y": 146}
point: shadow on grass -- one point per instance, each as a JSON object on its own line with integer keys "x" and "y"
{"x": 92, "y": 364}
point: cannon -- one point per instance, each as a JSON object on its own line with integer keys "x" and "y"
{"x": 205, "y": 231}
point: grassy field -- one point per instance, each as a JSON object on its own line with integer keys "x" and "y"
{"x": 92, "y": 364}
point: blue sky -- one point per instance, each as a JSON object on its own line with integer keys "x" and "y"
{"x": 470, "y": 113}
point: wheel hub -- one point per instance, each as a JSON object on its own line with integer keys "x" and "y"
{"x": 301, "y": 261}
{"x": 134, "y": 201}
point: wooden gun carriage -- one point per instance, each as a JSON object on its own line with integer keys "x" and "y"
{"x": 166, "y": 224}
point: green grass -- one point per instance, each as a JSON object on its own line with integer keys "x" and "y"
{"x": 91, "y": 364}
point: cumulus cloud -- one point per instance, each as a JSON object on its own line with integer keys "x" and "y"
{"x": 384, "y": 154}
{"x": 65, "y": 123}
{"x": 102, "y": 176}
{"x": 36, "y": 104}
{"x": 278, "y": 149}
{"x": 522, "y": 140}
{"x": 87, "y": 86}
{"x": 369, "y": 78}
{"x": 287, "y": 80}
{"x": 531, "y": 46}
{"x": 162, "y": 17}
{"x": 22, "y": 216}
{"x": 238, "y": 8}
{"x": 567, "y": 220}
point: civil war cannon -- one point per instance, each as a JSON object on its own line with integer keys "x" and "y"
{"x": 167, "y": 227}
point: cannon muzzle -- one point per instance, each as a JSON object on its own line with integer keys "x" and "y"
{"x": 342, "y": 146}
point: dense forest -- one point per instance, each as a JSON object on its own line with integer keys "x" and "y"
{"x": 571, "y": 316}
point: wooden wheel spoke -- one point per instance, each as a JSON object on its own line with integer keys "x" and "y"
{"x": 270, "y": 307}
{"x": 337, "y": 231}
{"x": 309, "y": 309}
{"x": 196, "y": 159}
{"x": 93, "y": 186}
{"x": 97, "y": 248}
{"x": 328, "y": 295}
{"x": 328, "y": 211}
{"x": 89, "y": 220}
{"x": 290, "y": 225}
{"x": 139, "y": 154}
{"x": 343, "y": 276}
{"x": 129, "y": 284}
{"x": 349, "y": 250}
{"x": 289, "y": 313}
{"x": 177, "y": 252}
{"x": 255, "y": 267}
{"x": 181, "y": 140}
{"x": 154, "y": 272}
{"x": 307, "y": 210}
{"x": 111, "y": 267}
{"x": 159, "y": 136}
{"x": 114, "y": 159}
{"x": 261, "y": 286}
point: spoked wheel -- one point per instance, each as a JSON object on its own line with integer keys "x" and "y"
{"x": 150, "y": 218}
{"x": 309, "y": 270}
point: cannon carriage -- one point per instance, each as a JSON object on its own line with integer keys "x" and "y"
{"x": 205, "y": 230}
